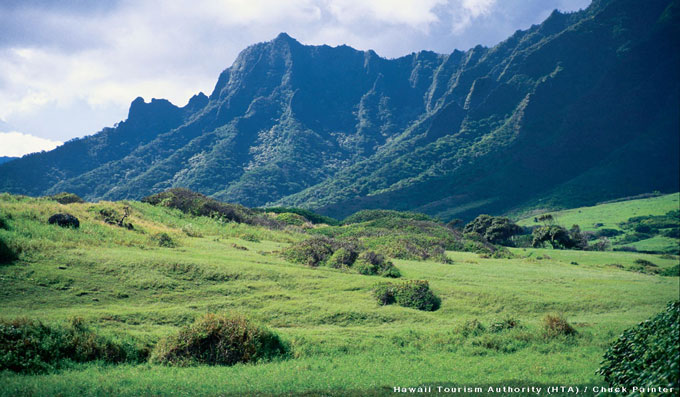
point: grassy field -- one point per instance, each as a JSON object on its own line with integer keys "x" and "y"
{"x": 343, "y": 343}
{"x": 612, "y": 216}
{"x": 609, "y": 216}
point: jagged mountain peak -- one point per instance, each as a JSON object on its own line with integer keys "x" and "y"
{"x": 563, "y": 111}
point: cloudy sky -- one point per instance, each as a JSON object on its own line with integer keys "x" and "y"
{"x": 68, "y": 68}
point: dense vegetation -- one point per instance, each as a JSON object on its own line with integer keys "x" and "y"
{"x": 648, "y": 354}
{"x": 578, "y": 109}
{"x": 147, "y": 289}
{"x": 219, "y": 340}
{"x": 29, "y": 346}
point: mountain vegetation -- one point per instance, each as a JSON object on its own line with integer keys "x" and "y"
{"x": 579, "y": 109}
{"x": 4, "y": 159}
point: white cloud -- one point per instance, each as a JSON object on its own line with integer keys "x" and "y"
{"x": 469, "y": 10}
{"x": 412, "y": 13}
{"x": 15, "y": 144}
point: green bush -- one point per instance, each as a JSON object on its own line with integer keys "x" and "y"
{"x": 342, "y": 257}
{"x": 671, "y": 271}
{"x": 200, "y": 205}
{"x": 370, "y": 215}
{"x": 556, "y": 325}
{"x": 309, "y": 215}
{"x": 164, "y": 240}
{"x": 415, "y": 294}
{"x": 113, "y": 217}
{"x": 219, "y": 340}
{"x": 7, "y": 254}
{"x": 310, "y": 252}
{"x": 648, "y": 354}
{"x": 66, "y": 198}
{"x": 558, "y": 237}
{"x": 290, "y": 218}
{"x": 369, "y": 263}
{"x": 644, "y": 262}
{"x": 29, "y": 346}
{"x": 472, "y": 328}
{"x": 497, "y": 230}
{"x": 384, "y": 293}
{"x": 505, "y": 324}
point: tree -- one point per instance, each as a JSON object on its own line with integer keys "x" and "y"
{"x": 494, "y": 229}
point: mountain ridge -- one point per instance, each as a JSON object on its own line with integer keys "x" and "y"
{"x": 542, "y": 118}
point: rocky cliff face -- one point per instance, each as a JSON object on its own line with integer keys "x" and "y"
{"x": 581, "y": 108}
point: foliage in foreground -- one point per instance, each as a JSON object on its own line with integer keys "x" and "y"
{"x": 648, "y": 354}
{"x": 30, "y": 346}
{"x": 415, "y": 294}
{"x": 219, "y": 340}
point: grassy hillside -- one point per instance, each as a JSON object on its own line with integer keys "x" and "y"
{"x": 488, "y": 331}
{"x": 615, "y": 216}
{"x": 610, "y": 215}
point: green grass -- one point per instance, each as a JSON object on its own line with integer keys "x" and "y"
{"x": 654, "y": 244}
{"x": 611, "y": 214}
{"x": 343, "y": 342}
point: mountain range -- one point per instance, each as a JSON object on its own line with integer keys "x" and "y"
{"x": 579, "y": 109}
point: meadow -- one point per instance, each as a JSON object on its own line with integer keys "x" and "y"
{"x": 124, "y": 284}
{"x": 614, "y": 215}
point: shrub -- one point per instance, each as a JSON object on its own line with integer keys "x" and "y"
{"x": 497, "y": 230}
{"x": 7, "y": 254}
{"x": 415, "y": 294}
{"x": 384, "y": 293}
{"x": 608, "y": 233}
{"x": 671, "y": 233}
{"x": 557, "y": 236}
{"x": 644, "y": 262}
{"x": 671, "y": 271}
{"x": 291, "y": 219}
{"x": 29, "y": 346}
{"x": 309, "y": 215}
{"x": 556, "y": 325}
{"x": 65, "y": 198}
{"x": 310, "y": 252}
{"x": 200, "y": 205}
{"x": 369, "y": 215}
{"x": 472, "y": 328}
{"x": 369, "y": 263}
{"x": 343, "y": 257}
{"x": 219, "y": 340}
{"x": 505, "y": 324}
{"x": 64, "y": 220}
{"x": 113, "y": 217}
{"x": 164, "y": 240}
{"x": 3, "y": 221}
{"x": 648, "y": 354}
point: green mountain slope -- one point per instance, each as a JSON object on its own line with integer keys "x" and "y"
{"x": 579, "y": 109}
